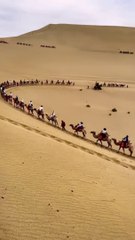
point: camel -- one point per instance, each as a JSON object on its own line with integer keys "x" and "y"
{"x": 10, "y": 98}
{"x": 121, "y": 144}
{"x": 21, "y": 105}
{"x": 39, "y": 113}
{"x": 100, "y": 138}
{"x": 16, "y": 101}
{"x": 77, "y": 130}
{"x": 52, "y": 119}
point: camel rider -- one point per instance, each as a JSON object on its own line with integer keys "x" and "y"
{"x": 53, "y": 115}
{"x": 22, "y": 102}
{"x": 41, "y": 109}
{"x": 104, "y": 133}
{"x": 125, "y": 140}
{"x": 31, "y": 104}
{"x": 80, "y": 125}
{"x": 16, "y": 99}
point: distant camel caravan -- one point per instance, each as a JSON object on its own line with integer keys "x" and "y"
{"x": 78, "y": 129}
{"x": 14, "y": 83}
{"x": 100, "y": 138}
{"x": 124, "y": 146}
{"x": 2, "y": 41}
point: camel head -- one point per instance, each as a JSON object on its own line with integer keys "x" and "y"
{"x": 93, "y": 132}
{"x": 71, "y": 125}
{"x": 115, "y": 141}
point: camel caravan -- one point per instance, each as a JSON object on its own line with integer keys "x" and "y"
{"x": 47, "y": 46}
{"x": 29, "y": 108}
{"x": 29, "y": 45}
{"x": 100, "y": 86}
{"x": 14, "y": 83}
{"x": 2, "y": 41}
{"x": 24, "y": 44}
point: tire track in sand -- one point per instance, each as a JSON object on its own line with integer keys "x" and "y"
{"x": 82, "y": 148}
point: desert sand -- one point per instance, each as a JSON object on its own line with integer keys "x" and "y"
{"x": 55, "y": 185}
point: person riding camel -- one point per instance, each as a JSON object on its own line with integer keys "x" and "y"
{"x": 16, "y": 98}
{"x": 104, "y": 133}
{"x": 79, "y": 125}
{"x": 125, "y": 140}
{"x": 53, "y": 115}
{"x": 30, "y": 105}
{"x": 41, "y": 109}
{"x": 21, "y": 102}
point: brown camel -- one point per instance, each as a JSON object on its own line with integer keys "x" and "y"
{"x": 52, "y": 119}
{"x": 100, "y": 138}
{"x": 122, "y": 145}
{"x": 78, "y": 129}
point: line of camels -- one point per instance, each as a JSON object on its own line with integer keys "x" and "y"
{"x": 29, "y": 44}
{"x": 41, "y": 115}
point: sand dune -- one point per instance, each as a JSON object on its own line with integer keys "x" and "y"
{"x": 82, "y": 53}
{"x": 55, "y": 185}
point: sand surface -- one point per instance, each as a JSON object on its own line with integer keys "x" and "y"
{"x": 54, "y": 185}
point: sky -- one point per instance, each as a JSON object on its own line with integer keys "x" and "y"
{"x": 21, "y": 16}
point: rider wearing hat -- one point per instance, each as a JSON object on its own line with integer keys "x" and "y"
{"x": 41, "y": 108}
{"x": 31, "y": 103}
{"x": 79, "y": 125}
{"x": 53, "y": 115}
{"x": 104, "y": 132}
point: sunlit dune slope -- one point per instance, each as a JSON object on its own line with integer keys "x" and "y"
{"x": 81, "y": 53}
{"x": 56, "y": 186}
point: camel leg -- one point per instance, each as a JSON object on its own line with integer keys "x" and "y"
{"x": 109, "y": 144}
{"x": 119, "y": 148}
